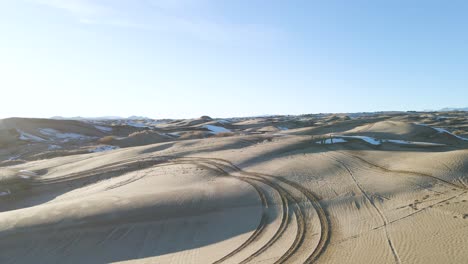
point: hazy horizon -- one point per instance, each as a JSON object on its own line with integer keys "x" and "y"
{"x": 244, "y": 116}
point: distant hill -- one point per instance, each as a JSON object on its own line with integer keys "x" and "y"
{"x": 138, "y": 117}
{"x": 453, "y": 109}
{"x": 99, "y": 118}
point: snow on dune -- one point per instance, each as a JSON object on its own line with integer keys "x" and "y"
{"x": 4, "y": 193}
{"x": 135, "y": 124}
{"x": 29, "y": 137}
{"x": 369, "y": 140}
{"x": 53, "y": 147}
{"x": 103, "y": 128}
{"x": 51, "y": 134}
{"x": 216, "y": 129}
{"x": 224, "y": 121}
{"x": 377, "y": 142}
{"x": 103, "y": 148}
{"x": 405, "y": 142}
{"x": 14, "y": 157}
{"x": 174, "y": 134}
{"x": 156, "y": 122}
{"x": 64, "y": 136}
{"x": 332, "y": 141}
{"x": 441, "y": 130}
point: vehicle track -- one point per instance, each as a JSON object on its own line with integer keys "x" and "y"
{"x": 371, "y": 201}
{"x": 115, "y": 167}
{"x": 263, "y": 221}
{"x": 289, "y": 201}
{"x": 382, "y": 168}
{"x": 298, "y": 212}
{"x": 323, "y": 218}
{"x": 292, "y": 204}
{"x": 285, "y": 202}
{"x": 462, "y": 186}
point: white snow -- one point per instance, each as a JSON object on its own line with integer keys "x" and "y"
{"x": 376, "y": 142}
{"x": 174, "y": 134}
{"x": 165, "y": 135}
{"x": 52, "y": 147}
{"x": 405, "y": 142}
{"x": 104, "y": 148}
{"x": 103, "y": 128}
{"x": 59, "y": 135}
{"x": 278, "y": 135}
{"x": 156, "y": 122}
{"x": 332, "y": 141}
{"x": 402, "y": 142}
{"x": 216, "y": 129}
{"x": 14, "y": 157}
{"x": 4, "y": 193}
{"x": 223, "y": 121}
{"x": 369, "y": 140}
{"x": 52, "y": 134}
{"x": 134, "y": 124}
{"x": 441, "y": 130}
{"x": 29, "y": 137}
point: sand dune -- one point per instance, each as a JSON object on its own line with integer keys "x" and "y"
{"x": 264, "y": 196}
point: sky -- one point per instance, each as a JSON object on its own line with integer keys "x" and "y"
{"x": 187, "y": 58}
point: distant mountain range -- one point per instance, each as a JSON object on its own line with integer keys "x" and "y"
{"x": 99, "y": 118}
{"x": 453, "y": 109}
{"x": 446, "y": 109}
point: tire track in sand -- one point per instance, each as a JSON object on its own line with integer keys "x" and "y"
{"x": 299, "y": 212}
{"x": 291, "y": 204}
{"x": 382, "y": 168}
{"x": 371, "y": 201}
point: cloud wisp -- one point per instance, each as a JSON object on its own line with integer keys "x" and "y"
{"x": 78, "y": 8}
{"x": 163, "y": 16}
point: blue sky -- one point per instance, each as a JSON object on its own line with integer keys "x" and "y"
{"x": 187, "y": 58}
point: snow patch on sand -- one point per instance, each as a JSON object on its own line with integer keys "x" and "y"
{"x": 135, "y": 124}
{"x": 369, "y": 140}
{"x": 332, "y": 141}
{"x": 103, "y": 128}
{"x": 216, "y": 129}
{"x": 405, "y": 142}
{"x": 441, "y": 130}
{"x": 223, "y": 121}
{"x": 29, "y": 137}
{"x": 53, "y": 147}
{"x": 64, "y": 136}
{"x": 377, "y": 142}
{"x": 174, "y": 134}
{"x": 5, "y": 193}
{"x": 156, "y": 122}
{"x": 14, "y": 157}
{"x": 104, "y": 148}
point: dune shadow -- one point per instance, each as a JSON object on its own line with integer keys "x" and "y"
{"x": 136, "y": 232}
{"x": 133, "y": 233}
{"x": 160, "y": 147}
{"x": 310, "y": 146}
{"x": 31, "y": 192}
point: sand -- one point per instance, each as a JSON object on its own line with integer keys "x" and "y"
{"x": 278, "y": 197}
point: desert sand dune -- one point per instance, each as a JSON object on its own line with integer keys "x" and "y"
{"x": 285, "y": 196}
